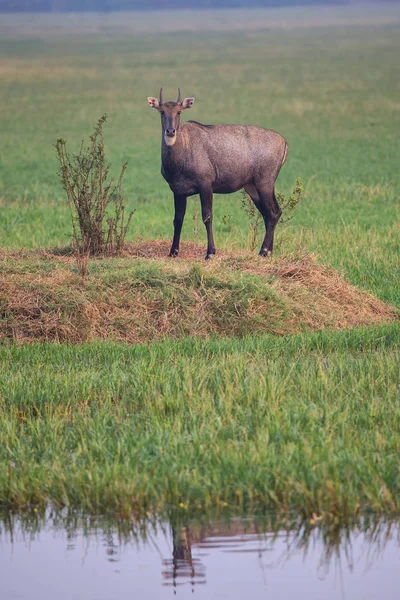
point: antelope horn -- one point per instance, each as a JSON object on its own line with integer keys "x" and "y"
{"x": 161, "y": 98}
{"x": 179, "y": 96}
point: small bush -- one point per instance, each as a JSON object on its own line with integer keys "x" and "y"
{"x": 91, "y": 196}
{"x": 288, "y": 205}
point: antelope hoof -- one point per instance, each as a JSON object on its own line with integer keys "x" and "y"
{"x": 265, "y": 252}
{"x": 210, "y": 256}
{"x": 174, "y": 252}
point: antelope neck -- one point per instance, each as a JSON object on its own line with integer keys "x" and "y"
{"x": 172, "y": 154}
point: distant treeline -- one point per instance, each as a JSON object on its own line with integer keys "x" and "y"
{"x": 109, "y": 5}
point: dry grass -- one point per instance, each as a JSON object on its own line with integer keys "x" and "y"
{"x": 143, "y": 296}
{"x": 321, "y": 297}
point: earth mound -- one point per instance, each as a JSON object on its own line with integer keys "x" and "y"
{"x": 143, "y": 296}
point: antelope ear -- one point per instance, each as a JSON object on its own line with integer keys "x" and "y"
{"x": 154, "y": 103}
{"x": 187, "y": 103}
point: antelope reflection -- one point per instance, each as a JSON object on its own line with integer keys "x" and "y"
{"x": 182, "y": 567}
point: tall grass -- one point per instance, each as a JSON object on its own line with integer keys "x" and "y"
{"x": 310, "y": 423}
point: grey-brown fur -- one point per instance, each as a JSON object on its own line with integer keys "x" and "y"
{"x": 204, "y": 159}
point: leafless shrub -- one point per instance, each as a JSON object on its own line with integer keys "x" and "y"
{"x": 288, "y": 205}
{"x": 82, "y": 255}
{"x": 91, "y": 194}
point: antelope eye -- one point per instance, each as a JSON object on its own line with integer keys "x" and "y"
{"x": 179, "y": 112}
{"x": 162, "y": 112}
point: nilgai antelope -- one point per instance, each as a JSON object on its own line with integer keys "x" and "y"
{"x": 203, "y": 159}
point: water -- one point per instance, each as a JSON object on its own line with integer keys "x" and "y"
{"x": 92, "y": 559}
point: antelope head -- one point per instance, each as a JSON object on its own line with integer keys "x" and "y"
{"x": 170, "y": 114}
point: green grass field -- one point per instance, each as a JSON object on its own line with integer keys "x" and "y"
{"x": 310, "y": 422}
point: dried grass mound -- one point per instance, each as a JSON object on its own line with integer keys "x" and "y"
{"x": 322, "y": 297}
{"x": 142, "y": 296}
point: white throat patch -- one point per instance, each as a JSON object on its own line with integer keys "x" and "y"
{"x": 170, "y": 141}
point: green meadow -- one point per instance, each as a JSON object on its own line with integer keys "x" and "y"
{"x": 309, "y": 422}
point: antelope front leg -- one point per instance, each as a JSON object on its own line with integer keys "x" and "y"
{"x": 180, "y": 209}
{"x": 206, "y": 198}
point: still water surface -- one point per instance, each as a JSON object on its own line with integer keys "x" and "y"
{"x": 98, "y": 561}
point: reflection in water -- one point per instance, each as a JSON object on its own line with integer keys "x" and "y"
{"x": 244, "y": 536}
{"x": 187, "y": 551}
{"x": 182, "y": 567}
